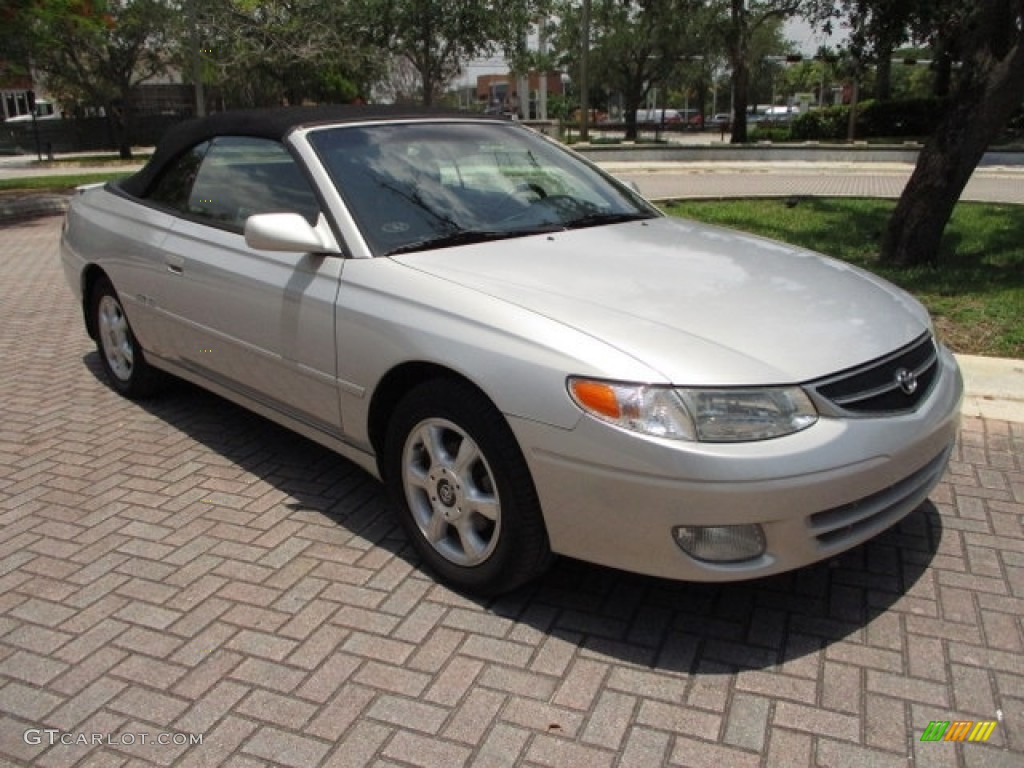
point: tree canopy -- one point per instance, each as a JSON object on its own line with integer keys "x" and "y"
{"x": 95, "y": 51}
{"x": 272, "y": 52}
{"x": 437, "y": 37}
{"x": 988, "y": 89}
{"x": 635, "y": 46}
{"x": 740, "y": 20}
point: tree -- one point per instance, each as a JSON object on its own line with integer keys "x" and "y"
{"x": 741, "y": 19}
{"x": 635, "y": 46}
{"x": 95, "y": 51}
{"x": 915, "y": 81}
{"x": 989, "y": 88}
{"x": 272, "y": 52}
{"x": 401, "y": 84}
{"x": 438, "y": 36}
{"x": 811, "y": 76}
{"x": 15, "y": 61}
{"x": 876, "y": 28}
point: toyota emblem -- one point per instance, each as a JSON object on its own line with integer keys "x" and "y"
{"x": 907, "y": 381}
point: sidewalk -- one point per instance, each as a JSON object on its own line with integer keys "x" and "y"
{"x": 183, "y": 568}
{"x": 994, "y": 387}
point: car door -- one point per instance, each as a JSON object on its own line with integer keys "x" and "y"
{"x": 258, "y": 322}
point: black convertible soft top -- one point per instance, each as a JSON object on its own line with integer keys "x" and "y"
{"x": 263, "y": 123}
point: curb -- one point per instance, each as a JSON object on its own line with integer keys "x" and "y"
{"x": 993, "y": 387}
{"x": 15, "y": 209}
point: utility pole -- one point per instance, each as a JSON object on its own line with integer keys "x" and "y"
{"x": 195, "y": 57}
{"x": 542, "y": 83}
{"x": 584, "y": 85}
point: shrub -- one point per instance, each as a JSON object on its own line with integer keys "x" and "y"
{"x": 821, "y": 125}
{"x": 769, "y": 133}
{"x": 1014, "y": 130}
{"x": 904, "y": 117}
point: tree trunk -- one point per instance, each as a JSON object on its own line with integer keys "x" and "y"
{"x": 123, "y": 119}
{"x": 428, "y": 89}
{"x": 631, "y": 129}
{"x": 426, "y": 59}
{"x": 741, "y": 87}
{"x": 942, "y": 66}
{"x": 633, "y": 98}
{"x": 990, "y": 90}
{"x": 740, "y": 71}
{"x": 883, "y": 74}
{"x": 631, "y": 103}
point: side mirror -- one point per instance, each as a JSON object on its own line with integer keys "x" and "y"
{"x": 288, "y": 232}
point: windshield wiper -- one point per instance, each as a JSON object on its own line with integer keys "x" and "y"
{"x": 462, "y": 237}
{"x": 595, "y": 219}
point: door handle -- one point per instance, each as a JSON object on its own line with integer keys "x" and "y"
{"x": 175, "y": 264}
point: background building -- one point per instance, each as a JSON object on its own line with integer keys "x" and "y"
{"x": 504, "y": 92}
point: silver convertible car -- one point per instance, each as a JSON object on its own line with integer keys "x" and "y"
{"x": 532, "y": 358}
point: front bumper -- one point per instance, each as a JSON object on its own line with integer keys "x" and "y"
{"x": 613, "y": 497}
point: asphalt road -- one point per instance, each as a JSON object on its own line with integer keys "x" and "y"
{"x": 665, "y": 181}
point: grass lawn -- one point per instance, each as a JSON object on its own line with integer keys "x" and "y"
{"x": 975, "y": 292}
{"x": 98, "y": 159}
{"x": 57, "y": 183}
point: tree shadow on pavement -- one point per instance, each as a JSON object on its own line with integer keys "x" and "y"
{"x": 758, "y": 624}
{"x": 586, "y": 610}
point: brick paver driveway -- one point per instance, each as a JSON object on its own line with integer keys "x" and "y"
{"x": 183, "y": 569}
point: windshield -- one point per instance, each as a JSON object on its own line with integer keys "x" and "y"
{"x": 414, "y": 186}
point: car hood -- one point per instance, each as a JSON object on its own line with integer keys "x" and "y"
{"x": 697, "y": 304}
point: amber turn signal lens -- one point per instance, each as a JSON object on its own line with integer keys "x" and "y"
{"x": 597, "y": 397}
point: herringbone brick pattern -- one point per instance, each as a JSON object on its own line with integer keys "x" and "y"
{"x": 184, "y": 568}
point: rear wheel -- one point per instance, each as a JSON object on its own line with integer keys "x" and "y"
{"x": 123, "y": 360}
{"x": 462, "y": 489}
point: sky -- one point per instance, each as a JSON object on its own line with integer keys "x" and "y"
{"x": 807, "y": 40}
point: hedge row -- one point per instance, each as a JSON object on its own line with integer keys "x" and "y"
{"x": 905, "y": 118}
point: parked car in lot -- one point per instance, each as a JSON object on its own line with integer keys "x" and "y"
{"x": 691, "y": 118}
{"x": 531, "y": 357}
{"x": 720, "y": 121}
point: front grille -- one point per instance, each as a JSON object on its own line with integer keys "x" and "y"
{"x": 879, "y": 510}
{"x": 892, "y": 384}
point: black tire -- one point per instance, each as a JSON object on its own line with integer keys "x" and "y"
{"x": 121, "y": 355}
{"x": 473, "y": 517}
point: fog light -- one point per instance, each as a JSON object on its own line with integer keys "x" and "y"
{"x": 721, "y": 543}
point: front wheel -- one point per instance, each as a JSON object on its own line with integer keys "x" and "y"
{"x": 463, "y": 490}
{"x": 123, "y": 360}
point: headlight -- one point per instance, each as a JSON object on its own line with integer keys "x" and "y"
{"x": 742, "y": 415}
{"x": 705, "y": 415}
{"x": 656, "y": 411}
